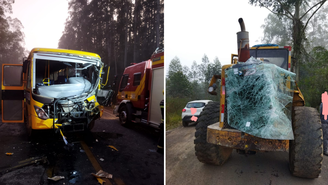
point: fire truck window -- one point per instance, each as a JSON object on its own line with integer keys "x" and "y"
{"x": 136, "y": 79}
{"x": 124, "y": 81}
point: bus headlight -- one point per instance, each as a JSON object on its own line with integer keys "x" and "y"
{"x": 41, "y": 113}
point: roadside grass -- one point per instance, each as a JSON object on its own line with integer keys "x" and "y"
{"x": 174, "y": 108}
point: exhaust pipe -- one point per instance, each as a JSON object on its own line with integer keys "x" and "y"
{"x": 243, "y": 42}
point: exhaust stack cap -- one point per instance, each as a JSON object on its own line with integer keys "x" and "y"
{"x": 242, "y": 25}
{"x": 242, "y": 42}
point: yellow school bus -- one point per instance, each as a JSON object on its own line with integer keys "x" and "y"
{"x": 53, "y": 89}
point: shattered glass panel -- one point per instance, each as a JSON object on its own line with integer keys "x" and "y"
{"x": 58, "y": 79}
{"x": 259, "y": 99}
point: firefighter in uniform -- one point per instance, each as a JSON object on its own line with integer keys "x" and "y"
{"x": 160, "y": 146}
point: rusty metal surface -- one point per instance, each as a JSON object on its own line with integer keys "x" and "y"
{"x": 239, "y": 140}
{"x": 243, "y": 42}
{"x": 298, "y": 99}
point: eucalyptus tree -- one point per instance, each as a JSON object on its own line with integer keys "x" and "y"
{"x": 121, "y": 32}
{"x": 291, "y": 9}
{"x": 11, "y": 35}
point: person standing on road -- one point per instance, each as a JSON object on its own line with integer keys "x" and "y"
{"x": 324, "y": 131}
{"x": 160, "y": 146}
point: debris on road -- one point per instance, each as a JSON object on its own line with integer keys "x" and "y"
{"x": 56, "y": 178}
{"x": 100, "y": 181}
{"x": 9, "y": 154}
{"x": 26, "y": 162}
{"x": 64, "y": 138}
{"x": 102, "y": 174}
{"x": 101, "y": 159}
{"x": 112, "y": 147}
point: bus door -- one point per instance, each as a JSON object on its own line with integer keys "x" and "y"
{"x": 12, "y": 93}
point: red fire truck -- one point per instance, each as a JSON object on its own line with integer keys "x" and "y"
{"x": 141, "y": 92}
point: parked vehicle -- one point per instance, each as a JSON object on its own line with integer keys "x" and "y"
{"x": 187, "y": 113}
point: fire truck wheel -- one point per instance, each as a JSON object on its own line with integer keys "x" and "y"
{"x": 206, "y": 152}
{"x": 305, "y": 151}
{"x": 125, "y": 114}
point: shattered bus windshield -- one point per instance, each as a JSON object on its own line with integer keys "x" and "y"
{"x": 58, "y": 79}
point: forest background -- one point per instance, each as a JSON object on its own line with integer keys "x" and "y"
{"x": 120, "y": 32}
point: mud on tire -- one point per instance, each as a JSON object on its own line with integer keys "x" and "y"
{"x": 305, "y": 151}
{"x": 206, "y": 152}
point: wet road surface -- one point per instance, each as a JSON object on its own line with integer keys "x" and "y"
{"x": 265, "y": 168}
{"x": 128, "y": 153}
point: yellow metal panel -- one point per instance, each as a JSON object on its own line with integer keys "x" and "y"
{"x": 36, "y": 122}
{"x": 92, "y": 98}
{"x": 233, "y": 138}
{"x": 75, "y": 52}
{"x": 222, "y": 97}
{"x": 158, "y": 62}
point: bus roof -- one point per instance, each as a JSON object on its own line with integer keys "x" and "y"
{"x": 62, "y": 51}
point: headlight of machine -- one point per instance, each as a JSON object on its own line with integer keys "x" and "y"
{"x": 41, "y": 113}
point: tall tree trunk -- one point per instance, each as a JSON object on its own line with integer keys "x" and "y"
{"x": 109, "y": 39}
{"x": 297, "y": 39}
{"x": 158, "y": 10}
{"x": 135, "y": 31}
{"x": 126, "y": 33}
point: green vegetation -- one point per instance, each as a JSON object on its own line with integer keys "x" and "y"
{"x": 174, "y": 108}
{"x": 311, "y": 56}
{"x": 184, "y": 85}
{"x": 299, "y": 14}
{"x": 314, "y": 76}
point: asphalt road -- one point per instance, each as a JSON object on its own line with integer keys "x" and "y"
{"x": 267, "y": 168}
{"x": 131, "y": 159}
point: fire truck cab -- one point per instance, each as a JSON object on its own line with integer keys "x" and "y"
{"x": 141, "y": 92}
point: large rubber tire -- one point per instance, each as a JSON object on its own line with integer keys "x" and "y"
{"x": 125, "y": 114}
{"x": 305, "y": 151}
{"x": 206, "y": 152}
